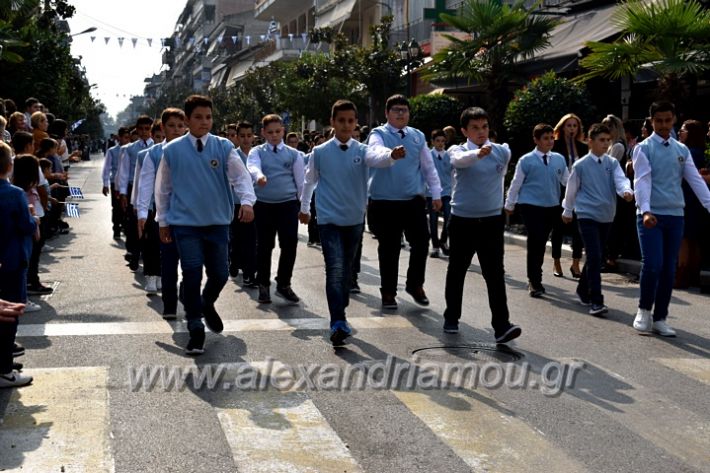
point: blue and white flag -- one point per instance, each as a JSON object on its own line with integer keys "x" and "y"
{"x": 72, "y": 210}
{"x": 75, "y": 193}
{"x": 77, "y": 124}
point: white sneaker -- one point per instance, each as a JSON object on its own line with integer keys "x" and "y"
{"x": 32, "y": 307}
{"x": 14, "y": 379}
{"x": 159, "y": 283}
{"x": 662, "y": 328}
{"x": 151, "y": 285}
{"x": 643, "y": 320}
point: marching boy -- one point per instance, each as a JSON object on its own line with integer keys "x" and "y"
{"x": 340, "y": 169}
{"x": 194, "y": 202}
{"x": 591, "y": 189}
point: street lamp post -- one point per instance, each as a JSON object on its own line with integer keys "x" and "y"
{"x": 409, "y": 52}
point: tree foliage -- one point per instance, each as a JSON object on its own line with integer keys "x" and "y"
{"x": 429, "y": 112}
{"x": 670, "y": 37}
{"x": 544, "y": 100}
{"x": 502, "y": 36}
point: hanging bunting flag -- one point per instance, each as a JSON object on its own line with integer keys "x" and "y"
{"x": 177, "y": 42}
{"x": 234, "y": 40}
{"x": 120, "y": 42}
{"x": 106, "y": 39}
{"x": 304, "y": 36}
{"x": 290, "y": 38}
{"x": 220, "y": 38}
{"x": 191, "y": 41}
{"x": 262, "y": 37}
{"x": 248, "y": 39}
{"x": 134, "y": 41}
{"x": 162, "y": 42}
{"x": 150, "y": 42}
{"x": 93, "y": 38}
{"x": 205, "y": 40}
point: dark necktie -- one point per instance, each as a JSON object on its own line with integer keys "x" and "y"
{"x": 599, "y": 160}
{"x": 666, "y": 143}
{"x": 544, "y": 159}
{"x": 276, "y": 149}
{"x": 401, "y": 133}
{"x": 344, "y": 147}
{"x": 200, "y": 147}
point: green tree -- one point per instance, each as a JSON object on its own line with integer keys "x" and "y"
{"x": 544, "y": 100}
{"x": 429, "y": 112}
{"x": 501, "y": 37}
{"x": 670, "y": 37}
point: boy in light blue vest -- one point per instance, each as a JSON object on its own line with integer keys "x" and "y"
{"x": 477, "y": 223}
{"x": 442, "y": 162}
{"x": 148, "y": 237}
{"x": 126, "y": 174}
{"x": 108, "y": 176}
{"x": 397, "y": 203}
{"x": 535, "y": 190}
{"x": 591, "y": 192}
{"x": 172, "y": 123}
{"x": 277, "y": 170}
{"x": 194, "y": 205}
{"x": 660, "y": 165}
{"x": 340, "y": 169}
{"x": 242, "y": 242}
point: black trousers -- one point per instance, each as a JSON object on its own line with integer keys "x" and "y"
{"x": 242, "y": 245}
{"x": 271, "y": 220}
{"x": 150, "y": 246}
{"x": 12, "y": 289}
{"x": 559, "y": 230}
{"x": 131, "y": 226}
{"x": 313, "y": 235}
{"x": 482, "y": 236}
{"x": 538, "y": 222}
{"x": 117, "y": 217}
{"x": 388, "y": 219}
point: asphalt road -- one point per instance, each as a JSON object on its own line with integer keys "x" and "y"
{"x": 573, "y": 393}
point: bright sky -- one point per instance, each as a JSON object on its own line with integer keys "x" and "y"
{"x": 118, "y": 72}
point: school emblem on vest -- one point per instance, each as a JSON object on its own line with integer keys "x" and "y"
{"x": 499, "y": 168}
{"x": 681, "y": 159}
{"x": 287, "y": 164}
{"x": 214, "y": 163}
{"x": 559, "y": 172}
{"x": 357, "y": 160}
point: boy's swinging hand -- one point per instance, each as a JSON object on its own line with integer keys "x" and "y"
{"x": 628, "y": 196}
{"x": 165, "y": 235}
{"x": 246, "y": 213}
{"x": 304, "y": 218}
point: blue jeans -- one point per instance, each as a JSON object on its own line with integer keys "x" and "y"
{"x": 169, "y": 260}
{"x": 198, "y": 247}
{"x": 436, "y": 240}
{"x": 339, "y": 247}
{"x": 594, "y": 235}
{"x": 659, "y": 257}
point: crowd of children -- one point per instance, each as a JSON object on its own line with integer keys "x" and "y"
{"x": 216, "y": 204}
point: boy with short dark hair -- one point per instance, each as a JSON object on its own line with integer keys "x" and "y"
{"x": 194, "y": 205}
{"x": 17, "y": 225}
{"x": 535, "y": 190}
{"x": 126, "y": 175}
{"x": 277, "y": 170}
{"x": 442, "y": 162}
{"x": 591, "y": 192}
{"x": 340, "y": 169}
{"x": 660, "y": 165}
{"x": 108, "y": 176}
{"x": 477, "y": 223}
{"x": 242, "y": 251}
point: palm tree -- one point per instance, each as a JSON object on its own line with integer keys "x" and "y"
{"x": 502, "y": 36}
{"x": 670, "y": 37}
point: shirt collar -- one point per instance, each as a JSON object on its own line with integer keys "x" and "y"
{"x": 393, "y": 129}
{"x": 473, "y": 146}
{"x": 193, "y": 139}
{"x": 279, "y": 146}
{"x": 597, "y": 157}
{"x": 659, "y": 139}
{"x": 338, "y": 142}
{"x": 540, "y": 154}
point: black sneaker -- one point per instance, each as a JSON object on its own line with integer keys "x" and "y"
{"x": 598, "y": 309}
{"x": 127, "y": 256}
{"x": 511, "y": 333}
{"x": 418, "y": 295}
{"x": 249, "y": 281}
{"x": 117, "y": 235}
{"x": 287, "y": 293}
{"x": 536, "y": 290}
{"x": 388, "y": 301}
{"x": 196, "y": 345}
{"x": 451, "y": 326}
{"x": 355, "y": 288}
{"x": 212, "y": 319}
{"x": 339, "y": 332}
{"x": 264, "y": 295}
{"x": 39, "y": 289}
{"x": 133, "y": 264}
{"x": 17, "y": 350}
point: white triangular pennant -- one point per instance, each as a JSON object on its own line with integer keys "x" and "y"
{"x": 248, "y": 39}
{"x": 234, "y": 39}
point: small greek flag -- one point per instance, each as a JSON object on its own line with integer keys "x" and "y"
{"x": 72, "y": 210}
{"x": 75, "y": 193}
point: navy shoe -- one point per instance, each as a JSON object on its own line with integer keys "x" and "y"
{"x": 511, "y": 333}
{"x": 196, "y": 345}
{"x": 212, "y": 319}
{"x": 451, "y": 326}
{"x": 339, "y": 331}
{"x": 598, "y": 309}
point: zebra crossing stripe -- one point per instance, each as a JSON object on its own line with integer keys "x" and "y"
{"x": 59, "y": 423}
{"x": 696, "y": 368}
{"x": 283, "y": 432}
{"x": 486, "y": 438}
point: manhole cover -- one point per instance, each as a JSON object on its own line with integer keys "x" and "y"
{"x": 476, "y": 352}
